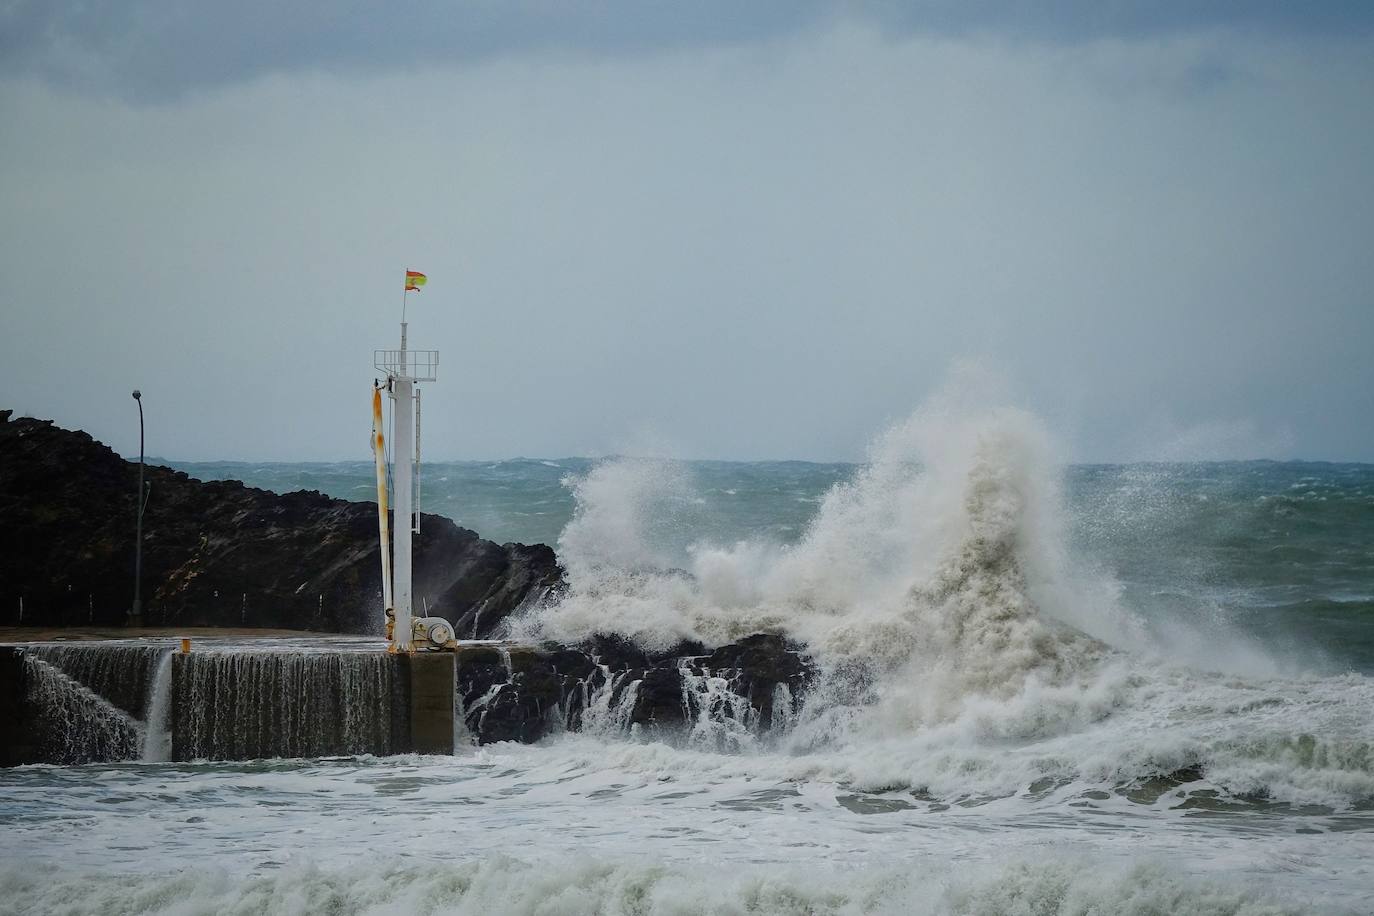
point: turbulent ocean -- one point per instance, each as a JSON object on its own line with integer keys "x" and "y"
{"x": 1043, "y": 689}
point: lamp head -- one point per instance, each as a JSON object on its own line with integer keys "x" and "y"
{"x": 138, "y": 395}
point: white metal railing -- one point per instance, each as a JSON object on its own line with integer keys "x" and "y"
{"x": 419, "y": 365}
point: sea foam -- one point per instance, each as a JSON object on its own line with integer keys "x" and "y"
{"x": 591, "y": 887}
{"x": 963, "y": 648}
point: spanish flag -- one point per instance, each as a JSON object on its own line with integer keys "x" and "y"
{"x": 414, "y": 280}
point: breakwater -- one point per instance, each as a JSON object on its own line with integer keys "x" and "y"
{"x": 132, "y": 700}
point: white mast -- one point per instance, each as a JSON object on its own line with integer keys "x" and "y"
{"x": 403, "y": 368}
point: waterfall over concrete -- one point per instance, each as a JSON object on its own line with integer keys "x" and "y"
{"x": 241, "y": 705}
{"x": 157, "y": 741}
{"x": 72, "y": 723}
{"x": 119, "y": 672}
{"x": 240, "y": 699}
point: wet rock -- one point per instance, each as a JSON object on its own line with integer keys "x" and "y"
{"x": 764, "y": 658}
{"x": 760, "y": 664}
{"x": 218, "y": 553}
{"x": 520, "y": 693}
{"x": 572, "y": 663}
{"x": 688, "y": 648}
{"x": 659, "y": 701}
{"x": 513, "y": 714}
{"x": 615, "y": 651}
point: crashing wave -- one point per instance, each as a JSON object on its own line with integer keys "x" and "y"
{"x": 925, "y": 568}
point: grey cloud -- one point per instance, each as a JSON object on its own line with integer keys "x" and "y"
{"x": 765, "y": 251}
{"x": 1079, "y": 20}
{"x": 159, "y": 49}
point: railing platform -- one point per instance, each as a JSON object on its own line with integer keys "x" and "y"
{"x": 416, "y": 365}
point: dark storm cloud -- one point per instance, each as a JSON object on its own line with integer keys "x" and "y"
{"x": 158, "y": 49}
{"x": 1080, "y": 20}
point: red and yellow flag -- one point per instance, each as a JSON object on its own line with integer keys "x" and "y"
{"x": 414, "y": 280}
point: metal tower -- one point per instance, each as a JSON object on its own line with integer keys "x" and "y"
{"x": 403, "y": 368}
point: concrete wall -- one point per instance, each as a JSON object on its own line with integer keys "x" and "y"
{"x": 431, "y": 702}
{"x": 17, "y": 745}
{"x": 421, "y": 702}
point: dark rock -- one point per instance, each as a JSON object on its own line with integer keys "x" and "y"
{"x": 518, "y": 693}
{"x": 755, "y": 667}
{"x": 572, "y": 663}
{"x": 659, "y": 701}
{"x": 763, "y": 658}
{"x": 480, "y": 655}
{"x": 688, "y": 648}
{"x": 616, "y": 652}
{"x": 218, "y": 553}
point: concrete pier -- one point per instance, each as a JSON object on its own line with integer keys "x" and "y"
{"x": 245, "y": 702}
{"x": 431, "y": 701}
{"x": 237, "y": 697}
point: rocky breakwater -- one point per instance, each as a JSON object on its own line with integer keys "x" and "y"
{"x": 725, "y": 698}
{"x": 218, "y": 553}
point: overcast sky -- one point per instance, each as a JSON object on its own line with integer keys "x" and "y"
{"x": 718, "y": 229}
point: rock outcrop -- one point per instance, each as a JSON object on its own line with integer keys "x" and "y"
{"x": 218, "y": 553}
{"x": 520, "y": 693}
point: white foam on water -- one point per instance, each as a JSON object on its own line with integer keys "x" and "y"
{"x": 963, "y": 650}
{"x": 589, "y": 887}
{"x": 268, "y": 835}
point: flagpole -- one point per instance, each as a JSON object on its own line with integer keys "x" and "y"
{"x": 402, "y": 375}
{"x": 405, "y": 293}
{"x": 403, "y": 443}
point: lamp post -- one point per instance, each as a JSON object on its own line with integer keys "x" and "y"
{"x": 136, "y": 615}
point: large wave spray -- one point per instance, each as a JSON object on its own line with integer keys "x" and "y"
{"x": 962, "y": 648}
{"x": 942, "y": 554}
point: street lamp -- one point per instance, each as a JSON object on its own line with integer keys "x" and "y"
{"x": 136, "y": 615}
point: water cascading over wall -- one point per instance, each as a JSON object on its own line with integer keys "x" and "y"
{"x": 100, "y": 702}
{"x": 241, "y": 705}
{"x": 70, "y": 723}
{"x": 123, "y": 674}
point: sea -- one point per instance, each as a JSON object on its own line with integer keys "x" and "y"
{"x": 1044, "y": 688}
